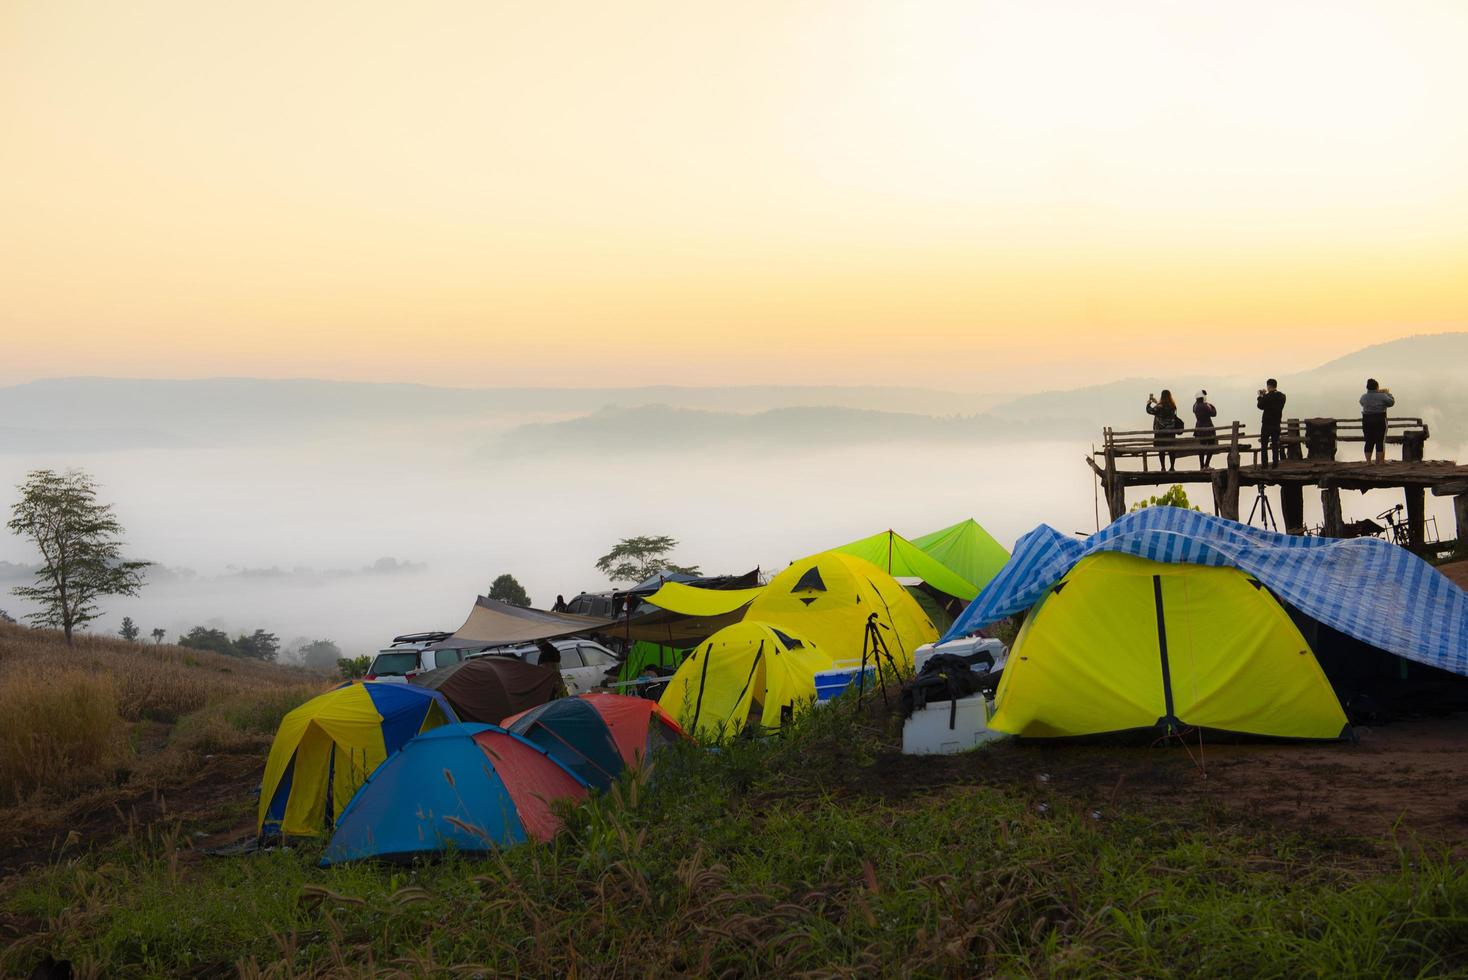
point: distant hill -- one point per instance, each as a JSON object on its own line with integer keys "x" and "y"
{"x": 665, "y": 428}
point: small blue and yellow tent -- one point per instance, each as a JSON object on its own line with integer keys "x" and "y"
{"x": 325, "y": 750}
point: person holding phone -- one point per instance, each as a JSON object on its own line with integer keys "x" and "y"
{"x": 1271, "y": 407}
{"x": 1374, "y": 404}
{"x": 1165, "y": 425}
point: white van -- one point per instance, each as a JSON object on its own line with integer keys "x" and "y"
{"x": 409, "y": 655}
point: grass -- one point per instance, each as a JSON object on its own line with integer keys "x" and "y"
{"x": 84, "y": 728}
{"x": 771, "y": 858}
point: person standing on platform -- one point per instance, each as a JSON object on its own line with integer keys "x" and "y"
{"x": 1203, "y": 430}
{"x": 1165, "y": 424}
{"x": 1373, "y": 418}
{"x": 1271, "y": 406}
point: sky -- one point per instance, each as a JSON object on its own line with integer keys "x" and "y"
{"x": 950, "y": 193}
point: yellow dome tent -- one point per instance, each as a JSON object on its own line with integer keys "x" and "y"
{"x": 827, "y": 599}
{"x": 1124, "y": 643}
{"x": 741, "y": 671}
{"x": 325, "y": 749}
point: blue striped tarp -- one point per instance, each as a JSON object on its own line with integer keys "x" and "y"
{"x": 1365, "y": 587}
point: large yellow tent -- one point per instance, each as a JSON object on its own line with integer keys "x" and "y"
{"x": 1123, "y": 643}
{"x": 325, "y": 749}
{"x": 828, "y": 598}
{"x": 750, "y": 670}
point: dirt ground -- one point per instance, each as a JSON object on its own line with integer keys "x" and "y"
{"x": 1408, "y": 779}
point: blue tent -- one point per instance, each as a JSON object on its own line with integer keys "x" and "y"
{"x": 1365, "y": 588}
{"x": 464, "y": 787}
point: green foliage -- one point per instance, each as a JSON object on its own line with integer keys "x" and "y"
{"x": 352, "y": 667}
{"x": 260, "y": 645}
{"x": 1174, "y": 496}
{"x": 129, "y": 630}
{"x": 205, "y": 638}
{"x": 318, "y": 653}
{"x": 632, "y": 560}
{"x": 81, "y": 554}
{"x": 505, "y": 588}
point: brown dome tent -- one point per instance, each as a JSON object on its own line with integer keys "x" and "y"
{"x": 490, "y": 689}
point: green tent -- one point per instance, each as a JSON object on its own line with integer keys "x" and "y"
{"x": 967, "y": 549}
{"x": 900, "y": 558}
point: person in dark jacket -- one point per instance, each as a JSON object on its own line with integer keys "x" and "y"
{"x": 1271, "y": 407}
{"x": 1165, "y": 424}
{"x": 1203, "y": 430}
{"x": 1373, "y": 418}
{"x": 550, "y": 658}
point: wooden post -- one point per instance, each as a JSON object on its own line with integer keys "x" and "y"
{"x": 1416, "y": 515}
{"x": 1292, "y": 507}
{"x": 1460, "y": 511}
{"x": 1293, "y": 449}
{"x": 1412, "y": 445}
{"x": 1228, "y": 492}
{"x": 1320, "y": 438}
{"x": 1330, "y": 503}
{"x": 1111, "y": 483}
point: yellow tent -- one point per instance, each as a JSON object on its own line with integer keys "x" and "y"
{"x": 1124, "y": 643}
{"x": 325, "y": 749}
{"x": 828, "y": 598}
{"x": 743, "y": 670}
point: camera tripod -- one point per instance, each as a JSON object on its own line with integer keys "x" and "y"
{"x": 874, "y": 651}
{"x": 1263, "y": 509}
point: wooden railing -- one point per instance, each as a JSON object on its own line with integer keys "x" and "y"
{"x": 1299, "y": 439}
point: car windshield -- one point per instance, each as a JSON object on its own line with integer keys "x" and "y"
{"x": 395, "y": 663}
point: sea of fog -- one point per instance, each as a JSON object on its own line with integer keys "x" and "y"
{"x": 355, "y": 540}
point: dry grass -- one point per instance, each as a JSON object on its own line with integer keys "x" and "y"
{"x": 67, "y": 716}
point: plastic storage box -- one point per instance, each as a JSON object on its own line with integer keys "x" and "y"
{"x": 927, "y": 732}
{"x": 831, "y": 683}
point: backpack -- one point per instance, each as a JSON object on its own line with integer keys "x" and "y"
{"x": 948, "y": 677}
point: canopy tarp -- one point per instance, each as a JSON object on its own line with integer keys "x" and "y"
{"x": 492, "y": 622}
{"x": 690, "y": 600}
{"x": 967, "y": 549}
{"x": 1366, "y": 588}
{"x": 900, "y": 558}
{"x": 672, "y": 629}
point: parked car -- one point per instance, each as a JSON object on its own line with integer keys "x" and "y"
{"x": 409, "y": 655}
{"x": 584, "y": 663}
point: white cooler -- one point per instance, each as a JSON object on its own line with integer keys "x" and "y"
{"x": 927, "y": 731}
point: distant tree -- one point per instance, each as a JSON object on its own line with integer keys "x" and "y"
{"x": 129, "y": 630}
{"x": 259, "y": 645}
{"x": 205, "y": 638}
{"x": 158, "y": 634}
{"x": 350, "y": 667}
{"x": 319, "y": 653}
{"x": 634, "y": 559}
{"x": 506, "y": 589}
{"x": 81, "y": 554}
{"x": 1174, "y": 496}
{"x": 5, "y": 617}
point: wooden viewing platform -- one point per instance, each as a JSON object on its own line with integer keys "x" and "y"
{"x": 1308, "y": 447}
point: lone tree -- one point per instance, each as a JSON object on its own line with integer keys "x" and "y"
{"x": 158, "y": 634}
{"x": 318, "y": 653}
{"x": 81, "y": 554}
{"x": 634, "y": 559}
{"x": 506, "y": 589}
{"x": 129, "y": 630}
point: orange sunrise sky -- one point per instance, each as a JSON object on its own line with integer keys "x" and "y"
{"x": 477, "y": 193}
